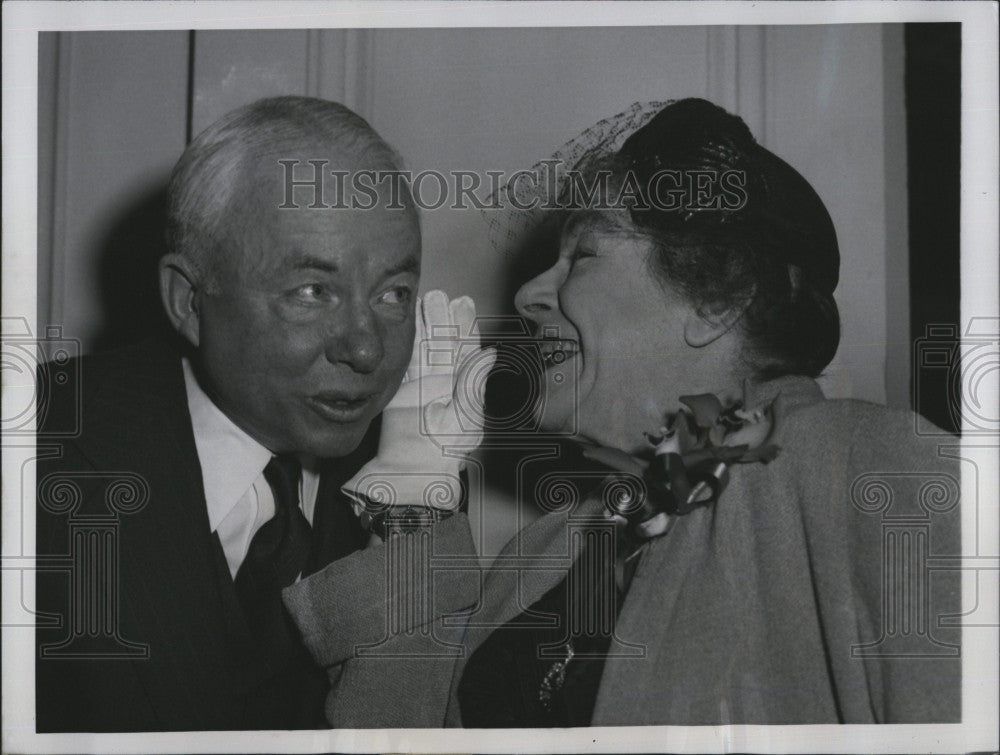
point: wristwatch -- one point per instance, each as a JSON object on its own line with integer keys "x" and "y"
{"x": 402, "y": 520}
{"x": 399, "y": 520}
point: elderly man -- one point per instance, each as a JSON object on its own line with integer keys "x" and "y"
{"x": 296, "y": 322}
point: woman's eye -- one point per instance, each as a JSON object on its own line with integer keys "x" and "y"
{"x": 582, "y": 253}
{"x": 396, "y": 296}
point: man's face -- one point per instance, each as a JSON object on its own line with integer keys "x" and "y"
{"x": 308, "y": 332}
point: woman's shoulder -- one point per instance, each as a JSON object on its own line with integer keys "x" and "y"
{"x": 869, "y": 432}
{"x": 860, "y": 450}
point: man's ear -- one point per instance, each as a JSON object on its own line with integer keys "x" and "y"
{"x": 179, "y": 290}
{"x": 703, "y": 328}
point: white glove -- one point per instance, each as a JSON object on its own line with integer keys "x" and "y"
{"x": 436, "y": 417}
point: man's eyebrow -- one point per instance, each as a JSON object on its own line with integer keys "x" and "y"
{"x": 312, "y": 262}
{"x": 409, "y": 265}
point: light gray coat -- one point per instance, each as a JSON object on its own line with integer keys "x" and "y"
{"x": 763, "y": 609}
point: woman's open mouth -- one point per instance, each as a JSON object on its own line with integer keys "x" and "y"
{"x": 556, "y": 351}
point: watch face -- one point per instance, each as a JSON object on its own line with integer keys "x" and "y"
{"x": 402, "y": 520}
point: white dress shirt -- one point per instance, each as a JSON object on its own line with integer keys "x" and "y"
{"x": 239, "y": 499}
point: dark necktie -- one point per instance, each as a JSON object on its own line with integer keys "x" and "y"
{"x": 278, "y": 551}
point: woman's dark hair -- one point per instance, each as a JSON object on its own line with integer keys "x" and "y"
{"x": 737, "y": 229}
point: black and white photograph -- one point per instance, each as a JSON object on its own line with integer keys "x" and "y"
{"x": 489, "y": 377}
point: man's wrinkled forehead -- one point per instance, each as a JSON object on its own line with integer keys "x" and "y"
{"x": 273, "y": 214}
{"x": 318, "y": 174}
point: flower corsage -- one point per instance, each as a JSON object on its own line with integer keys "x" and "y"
{"x": 691, "y": 455}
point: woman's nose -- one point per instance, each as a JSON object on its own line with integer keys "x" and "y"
{"x": 539, "y": 295}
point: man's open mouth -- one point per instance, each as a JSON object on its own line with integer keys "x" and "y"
{"x": 338, "y": 406}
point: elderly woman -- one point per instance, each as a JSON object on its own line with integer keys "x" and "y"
{"x": 752, "y": 552}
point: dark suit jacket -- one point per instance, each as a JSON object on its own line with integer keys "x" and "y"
{"x": 151, "y": 636}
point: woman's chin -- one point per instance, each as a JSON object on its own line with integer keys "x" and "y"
{"x": 591, "y": 439}
{"x": 555, "y": 420}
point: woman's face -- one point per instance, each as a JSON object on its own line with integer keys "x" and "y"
{"x": 613, "y": 343}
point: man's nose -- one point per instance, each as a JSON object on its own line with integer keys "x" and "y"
{"x": 539, "y": 296}
{"x": 356, "y": 339}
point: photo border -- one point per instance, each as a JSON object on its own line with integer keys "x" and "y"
{"x": 980, "y": 275}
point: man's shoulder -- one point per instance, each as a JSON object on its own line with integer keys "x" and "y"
{"x": 81, "y": 380}
{"x": 98, "y": 397}
{"x": 121, "y": 368}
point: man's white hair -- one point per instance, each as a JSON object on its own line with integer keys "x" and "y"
{"x": 208, "y": 174}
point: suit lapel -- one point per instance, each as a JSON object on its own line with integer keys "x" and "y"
{"x": 169, "y": 576}
{"x": 176, "y": 593}
{"x": 537, "y": 560}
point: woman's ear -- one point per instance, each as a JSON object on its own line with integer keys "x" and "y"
{"x": 703, "y": 328}
{"x": 179, "y": 292}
